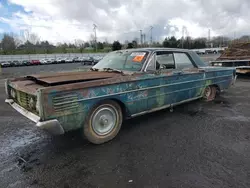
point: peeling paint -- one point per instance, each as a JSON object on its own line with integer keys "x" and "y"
{"x": 139, "y": 92}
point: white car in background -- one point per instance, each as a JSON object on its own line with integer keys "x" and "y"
{"x": 69, "y": 60}
{"x": 45, "y": 61}
{"x": 59, "y": 60}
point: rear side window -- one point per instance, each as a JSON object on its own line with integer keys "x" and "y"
{"x": 182, "y": 61}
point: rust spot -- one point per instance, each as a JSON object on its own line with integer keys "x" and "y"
{"x": 71, "y": 77}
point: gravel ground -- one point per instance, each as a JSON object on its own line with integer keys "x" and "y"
{"x": 200, "y": 144}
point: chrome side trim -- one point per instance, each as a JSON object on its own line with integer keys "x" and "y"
{"x": 181, "y": 90}
{"x": 165, "y": 106}
{"x": 147, "y": 88}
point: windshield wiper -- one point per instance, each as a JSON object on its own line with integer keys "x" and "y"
{"x": 112, "y": 70}
{"x": 94, "y": 69}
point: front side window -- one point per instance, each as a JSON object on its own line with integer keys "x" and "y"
{"x": 123, "y": 60}
{"x": 165, "y": 60}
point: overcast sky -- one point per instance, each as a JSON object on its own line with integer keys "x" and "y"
{"x": 67, "y": 20}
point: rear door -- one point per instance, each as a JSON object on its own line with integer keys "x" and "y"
{"x": 190, "y": 80}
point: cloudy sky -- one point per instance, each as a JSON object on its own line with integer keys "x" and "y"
{"x": 67, "y": 20}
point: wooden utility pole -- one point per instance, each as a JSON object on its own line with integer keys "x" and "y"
{"x": 95, "y": 37}
{"x": 151, "y": 35}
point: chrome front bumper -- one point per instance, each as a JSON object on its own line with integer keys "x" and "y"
{"x": 52, "y": 126}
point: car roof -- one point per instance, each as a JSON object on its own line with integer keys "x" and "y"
{"x": 156, "y": 49}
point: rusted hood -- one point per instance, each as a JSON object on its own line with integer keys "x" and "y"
{"x": 52, "y": 79}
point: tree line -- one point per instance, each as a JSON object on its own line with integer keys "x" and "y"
{"x": 10, "y": 44}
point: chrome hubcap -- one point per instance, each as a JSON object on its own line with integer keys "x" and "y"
{"x": 104, "y": 120}
{"x": 208, "y": 91}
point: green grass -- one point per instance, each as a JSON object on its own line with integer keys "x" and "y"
{"x": 53, "y": 51}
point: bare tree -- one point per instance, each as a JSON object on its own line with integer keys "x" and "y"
{"x": 34, "y": 38}
{"x": 79, "y": 43}
{"x": 92, "y": 40}
{"x": 31, "y": 37}
{"x": 18, "y": 41}
{"x": 8, "y": 44}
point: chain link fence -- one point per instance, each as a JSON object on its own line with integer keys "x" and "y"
{"x": 46, "y": 56}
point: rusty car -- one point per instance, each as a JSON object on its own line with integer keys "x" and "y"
{"x": 124, "y": 84}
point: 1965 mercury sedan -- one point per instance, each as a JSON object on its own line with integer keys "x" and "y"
{"x": 122, "y": 85}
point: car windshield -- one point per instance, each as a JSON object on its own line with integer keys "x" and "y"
{"x": 123, "y": 60}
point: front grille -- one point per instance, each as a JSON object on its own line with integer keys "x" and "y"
{"x": 23, "y": 99}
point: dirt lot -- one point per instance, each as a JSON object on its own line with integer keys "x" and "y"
{"x": 200, "y": 144}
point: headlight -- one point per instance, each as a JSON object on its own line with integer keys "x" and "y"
{"x": 6, "y": 87}
{"x": 37, "y": 106}
{"x": 13, "y": 93}
{"x": 31, "y": 103}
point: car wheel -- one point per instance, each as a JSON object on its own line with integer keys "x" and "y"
{"x": 103, "y": 122}
{"x": 209, "y": 93}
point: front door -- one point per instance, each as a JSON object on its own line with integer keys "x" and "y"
{"x": 161, "y": 92}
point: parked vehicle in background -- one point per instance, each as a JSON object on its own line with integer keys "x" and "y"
{"x": 45, "y": 61}
{"x": 12, "y": 64}
{"x": 82, "y": 59}
{"x": 5, "y": 64}
{"x": 75, "y": 59}
{"x": 16, "y": 63}
{"x": 124, "y": 84}
{"x": 236, "y": 55}
{"x": 64, "y": 60}
{"x": 59, "y": 60}
{"x": 90, "y": 61}
{"x": 211, "y": 52}
{"x": 98, "y": 58}
{"x": 53, "y": 60}
{"x": 35, "y": 62}
{"x": 26, "y": 62}
{"x": 68, "y": 60}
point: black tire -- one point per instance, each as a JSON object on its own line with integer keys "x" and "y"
{"x": 209, "y": 93}
{"x": 90, "y": 129}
